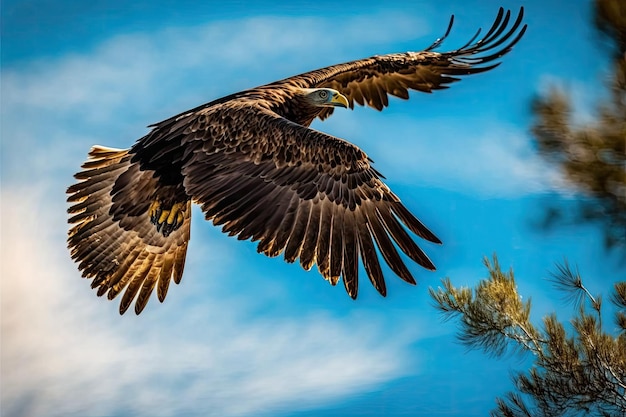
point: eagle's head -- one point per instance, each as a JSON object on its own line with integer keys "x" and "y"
{"x": 324, "y": 97}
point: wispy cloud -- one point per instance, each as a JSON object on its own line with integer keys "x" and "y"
{"x": 469, "y": 156}
{"x": 65, "y": 353}
{"x": 144, "y": 68}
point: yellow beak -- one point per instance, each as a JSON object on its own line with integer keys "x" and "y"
{"x": 339, "y": 100}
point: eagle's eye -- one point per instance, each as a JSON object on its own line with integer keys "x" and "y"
{"x": 323, "y": 94}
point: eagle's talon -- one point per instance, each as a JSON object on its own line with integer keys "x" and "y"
{"x": 163, "y": 217}
{"x": 166, "y": 220}
{"x": 154, "y": 211}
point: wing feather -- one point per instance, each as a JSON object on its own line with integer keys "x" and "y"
{"x": 104, "y": 282}
{"x": 164, "y": 278}
{"x": 286, "y": 226}
{"x": 294, "y": 244}
{"x": 260, "y": 222}
{"x": 336, "y": 244}
{"x": 179, "y": 263}
{"x": 308, "y": 253}
{"x": 323, "y": 241}
{"x": 368, "y": 254}
{"x": 135, "y": 283}
{"x": 402, "y": 238}
{"x": 248, "y": 219}
{"x": 350, "y": 255}
{"x": 282, "y": 201}
{"x": 302, "y": 193}
{"x": 148, "y": 287}
{"x": 387, "y": 249}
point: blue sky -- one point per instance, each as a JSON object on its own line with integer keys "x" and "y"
{"x": 243, "y": 334}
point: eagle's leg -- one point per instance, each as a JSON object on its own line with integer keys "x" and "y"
{"x": 167, "y": 218}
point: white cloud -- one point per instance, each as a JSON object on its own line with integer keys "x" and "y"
{"x": 64, "y": 352}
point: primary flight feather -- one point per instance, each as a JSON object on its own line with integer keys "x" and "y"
{"x": 257, "y": 169}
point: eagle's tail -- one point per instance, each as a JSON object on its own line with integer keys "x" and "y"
{"x": 112, "y": 237}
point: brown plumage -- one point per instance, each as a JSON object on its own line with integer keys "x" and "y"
{"x": 256, "y": 168}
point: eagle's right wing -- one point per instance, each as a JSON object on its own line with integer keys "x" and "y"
{"x": 300, "y": 191}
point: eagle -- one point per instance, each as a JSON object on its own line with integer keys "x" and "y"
{"x": 256, "y": 168}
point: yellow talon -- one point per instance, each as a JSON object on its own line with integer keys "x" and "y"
{"x": 175, "y": 213}
{"x": 167, "y": 220}
{"x": 163, "y": 216}
{"x": 152, "y": 211}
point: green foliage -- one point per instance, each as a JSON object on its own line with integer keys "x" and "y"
{"x": 492, "y": 314}
{"x": 592, "y": 157}
{"x": 577, "y": 372}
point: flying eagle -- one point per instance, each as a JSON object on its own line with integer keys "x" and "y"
{"x": 257, "y": 169}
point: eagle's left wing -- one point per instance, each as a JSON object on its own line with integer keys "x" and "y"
{"x": 112, "y": 237}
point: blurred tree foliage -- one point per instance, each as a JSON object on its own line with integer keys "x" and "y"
{"x": 579, "y": 374}
{"x": 593, "y": 156}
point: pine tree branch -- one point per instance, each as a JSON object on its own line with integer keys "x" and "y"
{"x": 585, "y": 372}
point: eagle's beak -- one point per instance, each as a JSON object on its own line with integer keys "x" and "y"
{"x": 339, "y": 100}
